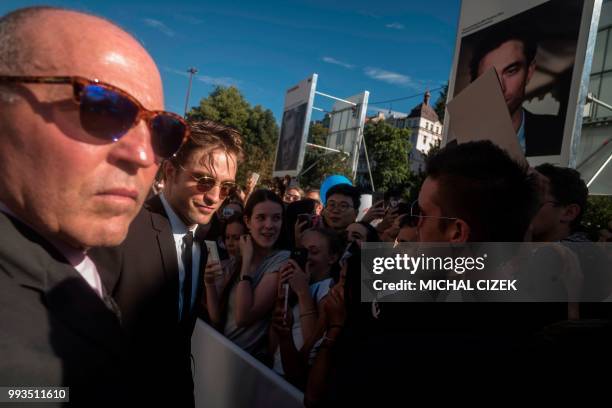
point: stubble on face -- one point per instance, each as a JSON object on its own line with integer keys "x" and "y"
{"x": 190, "y": 204}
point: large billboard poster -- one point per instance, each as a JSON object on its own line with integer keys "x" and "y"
{"x": 294, "y": 128}
{"x": 346, "y": 127}
{"x": 541, "y": 51}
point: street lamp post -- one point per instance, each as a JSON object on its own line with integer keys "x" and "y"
{"x": 192, "y": 71}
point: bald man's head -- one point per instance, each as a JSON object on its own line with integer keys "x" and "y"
{"x": 48, "y": 41}
{"x": 55, "y": 175}
{"x": 16, "y": 48}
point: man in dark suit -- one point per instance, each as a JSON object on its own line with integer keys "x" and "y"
{"x": 156, "y": 274}
{"x": 512, "y": 54}
{"x": 69, "y": 181}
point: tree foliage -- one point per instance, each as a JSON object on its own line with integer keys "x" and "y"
{"x": 597, "y": 215}
{"x": 324, "y": 163}
{"x": 440, "y": 104}
{"x": 388, "y": 149}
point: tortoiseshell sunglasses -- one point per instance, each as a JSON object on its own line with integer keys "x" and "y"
{"x": 108, "y": 112}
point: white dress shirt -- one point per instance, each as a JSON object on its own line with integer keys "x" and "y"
{"x": 77, "y": 258}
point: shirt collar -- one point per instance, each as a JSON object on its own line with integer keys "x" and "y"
{"x": 178, "y": 226}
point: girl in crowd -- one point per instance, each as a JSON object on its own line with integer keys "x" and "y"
{"x": 242, "y": 311}
{"x": 232, "y": 231}
{"x": 308, "y": 288}
{"x": 338, "y": 353}
{"x": 229, "y": 241}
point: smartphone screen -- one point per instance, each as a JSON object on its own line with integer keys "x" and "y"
{"x": 213, "y": 252}
{"x": 300, "y": 256}
{"x": 255, "y": 178}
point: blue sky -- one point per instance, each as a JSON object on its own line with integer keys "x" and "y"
{"x": 392, "y": 49}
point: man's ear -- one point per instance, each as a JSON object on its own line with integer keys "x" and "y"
{"x": 570, "y": 213}
{"x": 247, "y": 222}
{"x": 458, "y": 231}
{"x": 169, "y": 172}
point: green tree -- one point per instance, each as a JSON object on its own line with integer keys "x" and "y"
{"x": 257, "y": 125}
{"x": 597, "y": 215}
{"x": 441, "y": 103}
{"x": 324, "y": 163}
{"x": 388, "y": 149}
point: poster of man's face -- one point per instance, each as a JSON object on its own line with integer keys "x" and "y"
{"x": 290, "y": 144}
{"x": 534, "y": 55}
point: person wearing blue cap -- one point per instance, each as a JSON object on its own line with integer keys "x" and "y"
{"x": 342, "y": 203}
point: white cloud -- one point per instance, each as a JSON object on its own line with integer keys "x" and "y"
{"x": 334, "y": 61}
{"x": 223, "y": 81}
{"x": 389, "y": 77}
{"x": 188, "y": 19}
{"x": 395, "y": 26}
{"x": 158, "y": 25}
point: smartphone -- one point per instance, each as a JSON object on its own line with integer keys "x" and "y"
{"x": 305, "y": 218}
{"x": 254, "y": 178}
{"x": 300, "y": 256}
{"x": 227, "y": 212}
{"x": 286, "y": 304}
{"x": 350, "y": 250}
{"x": 377, "y": 196}
{"x": 213, "y": 252}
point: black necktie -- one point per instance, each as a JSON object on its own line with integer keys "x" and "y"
{"x": 187, "y": 283}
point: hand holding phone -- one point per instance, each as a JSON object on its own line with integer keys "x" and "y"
{"x": 305, "y": 218}
{"x": 300, "y": 256}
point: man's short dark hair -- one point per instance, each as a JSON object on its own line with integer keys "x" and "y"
{"x": 479, "y": 183}
{"x": 495, "y": 39}
{"x": 210, "y": 136}
{"x": 567, "y": 188}
{"x": 345, "y": 190}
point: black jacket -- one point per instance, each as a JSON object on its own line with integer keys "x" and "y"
{"x": 543, "y": 134}
{"x": 143, "y": 276}
{"x": 54, "y": 328}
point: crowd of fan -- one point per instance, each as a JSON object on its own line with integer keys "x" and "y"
{"x": 285, "y": 286}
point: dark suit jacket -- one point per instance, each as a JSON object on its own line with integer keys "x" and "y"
{"x": 143, "y": 275}
{"x": 543, "y": 134}
{"x": 54, "y": 329}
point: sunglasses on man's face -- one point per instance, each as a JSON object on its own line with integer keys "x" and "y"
{"x": 108, "y": 113}
{"x": 207, "y": 183}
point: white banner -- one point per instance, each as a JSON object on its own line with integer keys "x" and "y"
{"x": 225, "y": 376}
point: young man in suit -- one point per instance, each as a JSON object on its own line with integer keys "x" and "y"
{"x": 75, "y": 165}
{"x": 157, "y": 273}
